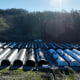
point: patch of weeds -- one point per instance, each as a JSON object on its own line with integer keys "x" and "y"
{"x": 33, "y": 76}
{"x": 71, "y": 77}
{"x": 19, "y": 70}
{"x": 59, "y": 74}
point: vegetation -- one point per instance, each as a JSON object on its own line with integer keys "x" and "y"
{"x": 21, "y": 25}
{"x": 19, "y": 74}
{"x": 41, "y": 74}
{"x": 66, "y": 74}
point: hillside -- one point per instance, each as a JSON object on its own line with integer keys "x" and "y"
{"x": 21, "y": 25}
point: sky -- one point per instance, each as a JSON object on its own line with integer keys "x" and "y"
{"x": 41, "y": 5}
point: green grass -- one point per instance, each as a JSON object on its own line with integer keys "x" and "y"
{"x": 40, "y": 74}
{"x": 64, "y": 74}
{"x": 71, "y": 77}
{"x": 19, "y": 70}
{"x": 22, "y": 75}
{"x": 33, "y": 76}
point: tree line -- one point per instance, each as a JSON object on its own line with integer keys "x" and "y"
{"x": 21, "y": 25}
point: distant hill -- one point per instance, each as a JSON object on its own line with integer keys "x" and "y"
{"x": 21, "y": 25}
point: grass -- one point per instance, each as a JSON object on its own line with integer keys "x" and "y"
{"x": 19, "y": 70}
{"x": 71, "y": 77}
{"x": 19, "y": 74}
{"x": 65, "y": 74}
{"x": 33, "y": 76}
{"x": 42, "y": 74}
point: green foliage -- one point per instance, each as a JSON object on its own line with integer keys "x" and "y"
{"x": 3, "y": 25}
{"x": 71, "y": 77}
{"x": 20, "y": 25}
